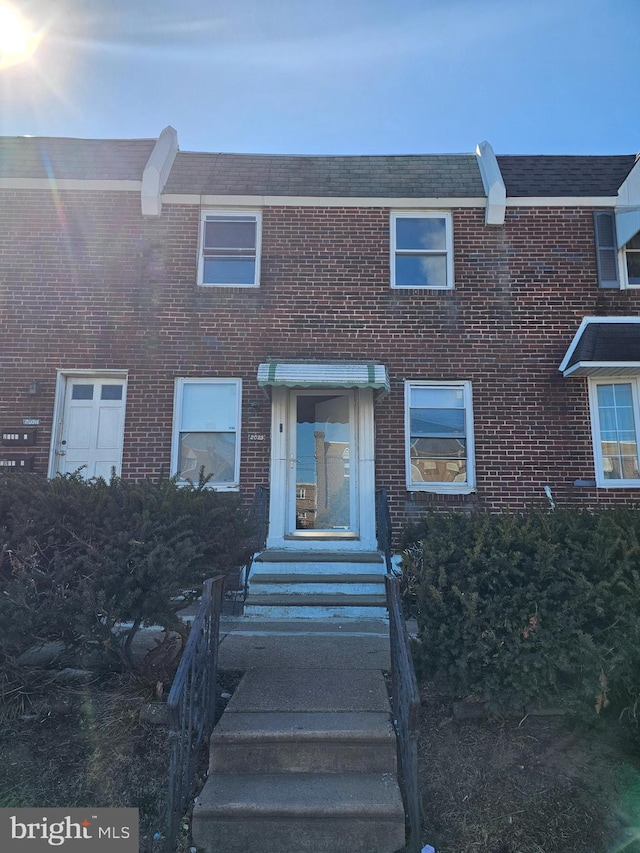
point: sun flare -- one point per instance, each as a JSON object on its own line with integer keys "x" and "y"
{"x": 18, "y": 39}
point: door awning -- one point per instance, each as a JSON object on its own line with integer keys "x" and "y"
{"x": 318, "y": 375}
{"x": 604, "y": 346}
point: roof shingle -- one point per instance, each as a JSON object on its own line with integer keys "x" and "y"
{"x": 79, "y": 159}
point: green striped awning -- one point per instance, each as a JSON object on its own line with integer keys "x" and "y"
{"x": 318, "y": 375}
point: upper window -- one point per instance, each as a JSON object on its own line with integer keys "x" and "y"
{"x": 631, "y": 255}
{"x": 230, "y": 254}
{"x": 421, "y": 250}
{"x": 439, "y": 437}
{"x": 206, "y": 431}
{"x": 615, "y": 418}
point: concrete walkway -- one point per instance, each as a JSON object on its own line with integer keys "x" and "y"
{"x": 304, "y": 757}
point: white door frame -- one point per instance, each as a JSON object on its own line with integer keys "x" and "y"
{"x": 363, "y": 441}
{"x": 58, "y": 407}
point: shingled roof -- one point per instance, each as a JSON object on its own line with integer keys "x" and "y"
{"x": 543, "y": 175}
{"x": 393, "y": 176}
{"x": 612, "y": 344}
{"x": 79, "y": 159}
{"x": 415, "y": 176}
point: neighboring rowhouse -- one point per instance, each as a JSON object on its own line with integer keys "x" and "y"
{"x": 324, "y": 325}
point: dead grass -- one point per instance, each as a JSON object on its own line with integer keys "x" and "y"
{"x": 77, "y": 746}
{"x": 541, "y": 785}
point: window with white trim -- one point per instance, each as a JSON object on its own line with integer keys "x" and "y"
{"x": 421, "y": 250}
{"x": 439, "y": 437}
{"x": 230, "y": 248}
{"x": 615, "y": 419}
{"x": 631, "y": 262}
{"x": 206, "y": 431}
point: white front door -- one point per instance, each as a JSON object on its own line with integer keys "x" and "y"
{"x": 322, "y": 491}
{"x": 91, "y": 426}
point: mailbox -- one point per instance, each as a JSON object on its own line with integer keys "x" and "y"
{"x": 16, "y": 463}
{"x": 18, "y": 437}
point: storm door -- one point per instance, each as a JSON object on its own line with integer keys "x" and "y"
{"x": 323, "y": 457}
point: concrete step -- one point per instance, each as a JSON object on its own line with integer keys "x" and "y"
{"x": 332, "y": 577}
{"x": 323, "y": 690}
{"x": 309, "y": 610}
{"x": 303, "y": 743}
{"x": 319, "y": 567}
{"x": 318, "y": 586}
{"x": 284, "y": 556}
{"x": 299, "y": 813}
{"x": 312, "y": 599}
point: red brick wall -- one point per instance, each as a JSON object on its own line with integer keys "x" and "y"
{"x": 86, "y": 282}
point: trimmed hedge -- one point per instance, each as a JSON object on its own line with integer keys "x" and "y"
{"x": 79, "y": 557}
{"x": 536, "y": 608}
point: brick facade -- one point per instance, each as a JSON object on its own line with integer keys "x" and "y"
{"x": 89, "y": 283}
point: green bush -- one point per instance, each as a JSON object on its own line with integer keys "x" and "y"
{"x": 80, "y": 557}
{"x": 542, "y": 607}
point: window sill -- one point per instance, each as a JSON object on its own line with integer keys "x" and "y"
{"x": 443, "y": 489}
{"x": 242, "y": 286}
{"x": 618, "y": 484}
{"x": 422, "y": 287}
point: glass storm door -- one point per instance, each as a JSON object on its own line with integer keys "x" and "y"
{"x": 322, "y": 481}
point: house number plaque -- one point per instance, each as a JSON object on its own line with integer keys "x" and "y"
{"x": 256, "y": 436}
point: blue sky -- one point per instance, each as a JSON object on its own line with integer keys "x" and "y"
{"x": 334, "y": 76}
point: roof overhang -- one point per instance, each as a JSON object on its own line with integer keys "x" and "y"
{"x": 324, "y": 375}
{"x": 628, "y": 207}
{"x": 604, "y": 346}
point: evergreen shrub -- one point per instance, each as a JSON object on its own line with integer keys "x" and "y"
{"x": 79, "y": 557}
{"x": 535, "y": 608}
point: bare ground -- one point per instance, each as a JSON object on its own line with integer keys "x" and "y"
{"x": 543, "y": 784}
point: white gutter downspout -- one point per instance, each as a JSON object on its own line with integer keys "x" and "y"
{"x": 157, "y": 170}
{"x": 494, "y": 187}
{"x": 628, "y": 207}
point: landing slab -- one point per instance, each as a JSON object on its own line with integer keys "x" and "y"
{"x": 304, "y": 643}
{"x": 317, "y": 690}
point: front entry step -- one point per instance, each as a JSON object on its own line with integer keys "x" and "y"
{"x": 316, "y": 585}
{"x": 303, "y": 760}
{"x": 300, "y": 813}
{"x": 299, "y": 742}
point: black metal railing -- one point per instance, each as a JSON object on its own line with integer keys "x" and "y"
{"x": 191, "y": 703}
{"x": 404, "y": 686}
{"x": 259, "y": 515}
{"x": 406, "y": 712}
{"x": 383, "y": 527}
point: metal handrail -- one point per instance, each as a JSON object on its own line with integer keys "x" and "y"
{"x": 406, "y": 711}
{"x": 383, "y": 527}
{"x": 191, "y": 703}
{"x": 406, "y": 697}
{"x": 259, "y": 515}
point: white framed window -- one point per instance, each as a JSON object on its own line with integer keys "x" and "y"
{"x": 630, "y": 262}
{"x": 230, "y": 248}
{"x": 615, "y": 422}
{"x": 206, "y": 431}
{"x": 422, "y": 250}
{"x": 439, "y": 437}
